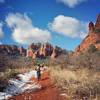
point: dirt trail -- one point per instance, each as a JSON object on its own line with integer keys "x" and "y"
{"x": 48, "y": 91}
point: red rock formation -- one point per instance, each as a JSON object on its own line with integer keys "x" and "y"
{"x": 97, "y": 25}
{"x": 35, "y": 55}
{"x": 46, "y": 50}
{"x": 22, "y": 51}
{"x": 12, "y": 50}
{"x": 9, "y": 49}
{"x": 54, "y": 53}
{"x": 29, "y": 53}
{"x": 42, "y": 51}
{"x": 91, "y": 27}
{"x": 93, "y": 37}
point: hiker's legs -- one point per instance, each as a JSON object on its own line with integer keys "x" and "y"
{"x": 38, "y": 76}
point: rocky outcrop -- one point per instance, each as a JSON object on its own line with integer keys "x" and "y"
{"x": 9, "y": 49}
{"x": 22, "y": 51}
{"x": 12, "y": 50}
{"x": 54, "y": 53}
{"x": 35, "y": 50}
{"x": 43, "y": 51}
{"x": 93, "y": 37}
{"x": 97, "y": 25}
{"x": 32, "y": 50}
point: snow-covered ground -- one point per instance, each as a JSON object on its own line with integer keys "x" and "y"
{"x": 20, "y": 85}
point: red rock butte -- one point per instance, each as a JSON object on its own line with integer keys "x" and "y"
{"x": 43, "y": 51}
{"x": 93, "y": 37}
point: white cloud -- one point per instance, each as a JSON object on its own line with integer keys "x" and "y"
{"x": 69, "y": 26}
{"x": 71, "y": 3}
{"x": 24, "y": 32}
{"x": 1, "y": 30}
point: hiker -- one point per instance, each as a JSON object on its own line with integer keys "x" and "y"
{"x": 43, "y": 67}
{"x": 38, "y": 72}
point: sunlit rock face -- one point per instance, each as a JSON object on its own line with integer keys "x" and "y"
{"x": 93, "y": 37}
{"x": 97, "y": 25}
{"x": 43, "y": 51}
{"x": 31, "y": 51}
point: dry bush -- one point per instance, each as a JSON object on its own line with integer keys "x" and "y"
{"x": 88, "y": 59}
{"x": 5, "y": 76}
{"x": 82, "y": 84}
{"x": 3, "y": 83}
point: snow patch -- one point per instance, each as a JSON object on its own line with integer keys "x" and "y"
{"x": 18, "y": 86}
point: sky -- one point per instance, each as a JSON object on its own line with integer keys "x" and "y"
{"x": 60, "y": 22}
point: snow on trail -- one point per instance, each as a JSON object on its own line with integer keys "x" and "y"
{"x": 48, "y": 91}
{"x": 18, "y": 86}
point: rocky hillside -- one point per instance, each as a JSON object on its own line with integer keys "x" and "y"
{"x": 93, "y": 37}
{"x": 12, "y": 50}
{"x": 35, "y": 50}
{"x": 12, "y": 56}
{"x": 44, "y": 50}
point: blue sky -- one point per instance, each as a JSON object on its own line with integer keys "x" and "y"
{"x": 60, "y": 22}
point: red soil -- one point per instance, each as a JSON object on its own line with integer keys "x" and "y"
{"x": 48, "y": 91}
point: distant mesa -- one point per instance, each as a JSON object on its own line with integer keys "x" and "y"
{"x": 93, "y": 37}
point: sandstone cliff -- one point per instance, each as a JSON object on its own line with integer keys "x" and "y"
{"x": 93, "y": 37}
{"x": 43, "y": 51}
{"x": 34, "y": 51}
